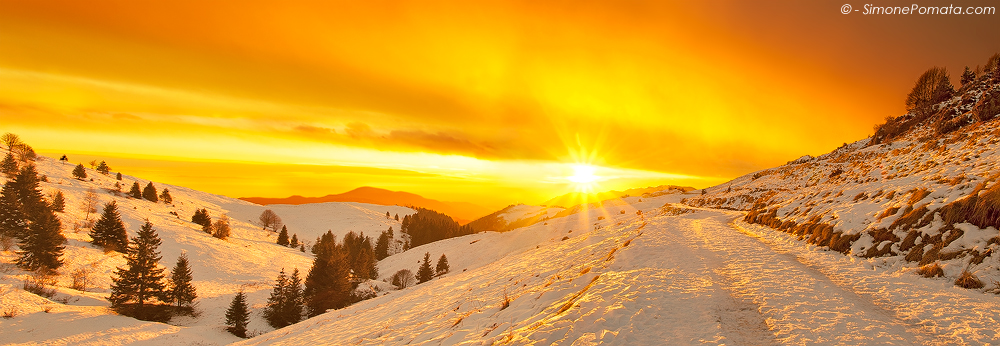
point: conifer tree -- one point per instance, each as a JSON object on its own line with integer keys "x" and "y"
{"x": 238, "y": 315}
{"x": 12, "y": 220}
{"x": 149, "y": 193}
{"x": 165, "y": 196}
{"x": 387, "y": 215}
{"x": 283, "y": 236}
{"x": 397, "y": 217}
{"x": 9, "y": 166}
{"x": 141, "y": 279}
{"x": 41, "y": 237}
{"x": 382, "y": 246}
{"x": 294, "y": 243}
{"x": 135, "y": 192}
{"x": 968, "y": 76}
{"x": 181, "y": 292}
{"x": 294, "y": 298}
{"x": 58, "y": 201}
{"x": 327, "y": 285}
{"x": 302, "y": 247}
{"x": 80, "y": 172}
{"x": 201, "y": 217}
{"x": 276, "y": 302}
{"x": 119, "y": 176}
{"x": 109, "y": 231}
{"x": 425, "y": 273}
{"x": 103, "y": 168}
{"x": 442, "y": 265}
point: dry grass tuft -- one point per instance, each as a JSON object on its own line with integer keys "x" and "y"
{"x": 931, "y": 270}
{"x": 968, "y": 280}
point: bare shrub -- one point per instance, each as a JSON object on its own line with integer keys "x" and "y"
{"x": 81, "y": 279}
{"x": 968, "y": 280}
{"x": 269, "y": 220}
{"x": 221, "y": 228}
{"x": 39, "y": 283}
{"x": 89, "y": 202}
{"x": 931, "y": 270}
{"x": 403, "y": 278}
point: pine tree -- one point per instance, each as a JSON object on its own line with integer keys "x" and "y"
{"x": 327, "y": 285}
{"x": 12, "y": 219}
{"x": 80, "y": 172}
{"x": 968, "y": 76}
{"x": 165, "y": 196}
{"x": 201, "y": 217}
{"x": 294, "y": 299}
{"x": 135, "y": 192}
{"x": 397, "y": 217}
{"x": 58, "y": 201}
{"x": 103, "y": 168}
{"x": 41, "y": 238}
{"x": 276, "y": 302}
{"x": 294, "y": 243}
{"x": 119, "y": 176}
{"x": 382, "y": 246}
{"x": 387, "y": 216}
{"x": 141, "y": 279}
{"x": 425, "y": 273}
{"x": 149, "y": 193}
{"x": 442, "y": 265}
{"x": 181, "y": 292}
{"x": 109, "y": 231}
{"x": 302, "y": 247}
{"x": 283, "y": 236}
{"x": 9, "y": 166}
{"x": 238, "y": 315}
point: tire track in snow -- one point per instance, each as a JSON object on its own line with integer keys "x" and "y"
{"x": 803, "y": 305}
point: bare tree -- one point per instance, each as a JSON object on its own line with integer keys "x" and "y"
{"x": 268, "y": 219}
{"x": 10, "y": 140}
{"x": 221, "y": 228}
{"x": 403, "y": 279}
{"x": 89, "y": 203}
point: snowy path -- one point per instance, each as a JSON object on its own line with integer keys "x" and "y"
{"x": 691, "y": 279}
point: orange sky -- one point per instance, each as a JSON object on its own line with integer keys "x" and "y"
{"x": 487, "y": 102}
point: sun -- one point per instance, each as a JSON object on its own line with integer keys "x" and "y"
{"x": 583, "y": 177}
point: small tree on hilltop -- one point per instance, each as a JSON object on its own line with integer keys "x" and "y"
{"x": 268, "y": 219}
{"x": 80, "y": 172}
{"x": 109, "y": 231}
{"x": 181, "y": 292}
{"x": 135, "y": 192}
{"x": 442, "y": 265}
{"x": 283, "y": 236}
{"x": 294, "y": 243}
{"x": 201, "y": 217}
{"x": 149, "y": 193}
{"x": 238, "y": 315}
{"x": 165, "y": 196}
{"x": 119, "y": 176}
{"x": 968, "y": 76}
{"x": 103, "y": 168}
{"x": 10, "y": 140}
{"x": 141, "y": 279}
{"x": 89, "y": 202}
{"x": 425, "y": 273}
{"x": 932, "y": 87}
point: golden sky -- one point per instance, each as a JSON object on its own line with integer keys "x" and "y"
{"x": 490, "y": 102}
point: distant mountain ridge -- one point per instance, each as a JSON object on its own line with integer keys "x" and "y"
{"x": 574, "y": 198}
{"x": 462, "y": 212}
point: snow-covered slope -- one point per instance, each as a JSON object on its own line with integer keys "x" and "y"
{"x": 923, "y": 190}
{"x": 248, "y": 260}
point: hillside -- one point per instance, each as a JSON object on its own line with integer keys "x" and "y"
{"x": 460, "y": 211}
{"x": 574, "y": 198}
{"x": 249, "y": 260}
{"x": 922, "y": 191}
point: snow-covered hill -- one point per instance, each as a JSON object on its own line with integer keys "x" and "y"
{"x": 922, "y": 191}
{"x": 248, "y": 260}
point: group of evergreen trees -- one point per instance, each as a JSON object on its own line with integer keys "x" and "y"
{"x": 137, "y": 287}
{"x": 293, "y": 243}
{"x": 28, "y": 217}
{"x": 428, "y": 226}
{"x": 285, "y": 305}
{"x": 426, "y": 273}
